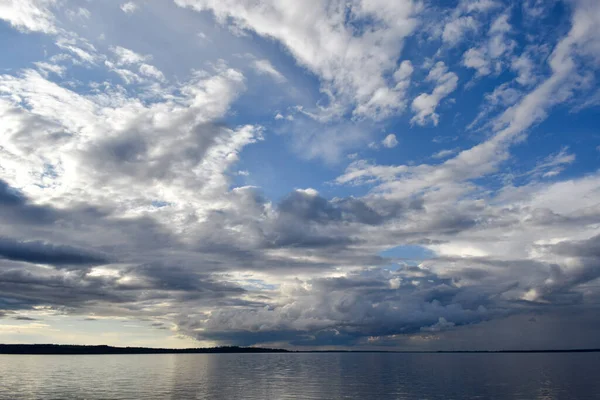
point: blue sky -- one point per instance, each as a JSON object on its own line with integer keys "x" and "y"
{"x": 364, "y": 173}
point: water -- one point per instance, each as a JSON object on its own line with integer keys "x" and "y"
{"x": 301, "y": 376}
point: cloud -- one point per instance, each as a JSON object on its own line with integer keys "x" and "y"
{"x": 152, "y": 72}
{"x": 489, "y": 57}
{"x": 265, "y": 67}
{"x": 445, "y": 153}
{"x": 524, "y": 66}
{"x": 122, "y": 149}
{"x": 126, "y": 56}
{"x": 456, "y": 29}
{"x": 477, "y": 59}
{"x": 327, "y": 141}
{"x": 404, "y": 71}
{"x": 29, "y": 15}
{"x": 350, "y": 63}
{"x": 129, "y": 7}
{"x": 425, "y": 105}
{"x": 46, "y": 68}
{"x": 81, "y": 14}
{"x": 390, "y": 141}
{"x": 24, "y": 318}
{"x": 119, "y": 181}
{"x": 442, "y": 324}
{"x": 84, "y": 51}
{"x": 46, "y": 253}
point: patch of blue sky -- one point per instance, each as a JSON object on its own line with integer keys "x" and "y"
{"x": 19, "y": 50}
{"x": 563, "y": 129}
{"x": 276, "y": 169}
{"x": 411, "y": 255}
{"x": 257, "y": 284}
{"x": 160, "y": 203}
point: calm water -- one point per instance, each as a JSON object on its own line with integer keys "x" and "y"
{"x": 302, "y": 376}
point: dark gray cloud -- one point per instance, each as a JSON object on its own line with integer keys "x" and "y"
{"x": 589, "y": 248}
{"x": 309, "y": 207}
{"x": 15, "y": 208}
{"x": 9, "y": 196}
{"x": 377, "y": 303}
{"x": 346, "y": 310}
{"x": 144, "y": 156}
{"x": 153, "y": 273}
{"x": 47, "y": 253}
{"x": 23, "y": 318}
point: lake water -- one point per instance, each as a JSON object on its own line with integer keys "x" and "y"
{"x": 302, "y": 376}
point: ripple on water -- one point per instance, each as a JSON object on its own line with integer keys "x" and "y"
{"x": 301, "y": 376}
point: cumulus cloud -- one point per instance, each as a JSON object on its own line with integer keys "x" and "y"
{"x": 456, "y": 29}
{"x": 489, "y": 58}
{"x": 390, "y": 141}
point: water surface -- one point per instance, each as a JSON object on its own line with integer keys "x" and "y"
{"x": 301, "y": 376}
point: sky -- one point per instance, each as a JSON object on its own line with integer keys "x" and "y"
{"x": 319, "y": 174}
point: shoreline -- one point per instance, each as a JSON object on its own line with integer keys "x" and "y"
{"x": 56, "y": 349}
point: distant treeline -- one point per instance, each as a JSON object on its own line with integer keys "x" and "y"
{"x": 76, "y": 349}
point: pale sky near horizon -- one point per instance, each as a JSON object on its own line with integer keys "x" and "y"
{"x": 394, "y": 174}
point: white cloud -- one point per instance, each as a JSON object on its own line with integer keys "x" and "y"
{"x": 29, "y": 15}
{"x": 45, "y": 68}
{"x": 525, "y": 66}
{"x": 128, "y": 76}
{"x": 486, "y": 157}
{"x": 445, "y": 153}
{"x": 265, "y": 67}
{"x": 404, "y": 71}
{"x": 536, "y": 8}
{"x": 498, "y": 43}
{"x": 488, "y": 57}
{"x": 425, "y": 105}
{"x": 465, "y": 19}
{"x": 502, "y": 97}
{"x": 351, "y": 65}
{"x": 106, "y": 140}
{"x": 152, "y": 72}
{"x": 553, "y": 164}
{"x": 476, "y": 59}
{"x": 456, "y": 29}
{"x": 129, "y": 7}
{"x": 84, "y": 50}
{"x": 127, "y": 56}
{"x": 480, "y": 5}
{"x": 81, "y": 13}
{"x": 390, "y": 141}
